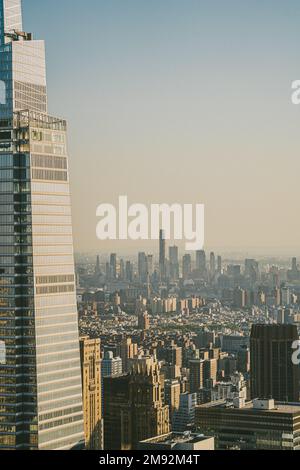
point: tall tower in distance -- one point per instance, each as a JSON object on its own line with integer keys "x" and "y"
{"x": 273, "y": 374}
{"x": 162, "y": 254}
{"x": 38, "y": 311}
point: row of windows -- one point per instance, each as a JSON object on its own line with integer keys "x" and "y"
{"x": 46, "y": 378}
{"x": 72, "y": 345}
{"x": 53, "y": 239}
{"x": 55, "y": 279}
{"x": 49, "y": 175}
{"x": 52, "y": 229}
{"x": 56, "y": 301}
{"x": 58, "y": 339}
{"x": 60, "y": 422}
{"x": 48, "y": 136}
{"x": 59, "y": 413}
{"x": 47, "y": 209}
{"x": 15, "y": 250}
{"x": 55, "y": 289}
{"x": 15, "y": 198}
{"x": 68, "y": 443}
{"x": 47, "y": 359}
{"x": 60, "y": 394}
{"x": 48, "y": 316}
{"x": 52, "y": 250}
{"x": 49, "y": 149}
{"x": 9, "y": 187}
{"x": 56, "y": 367}
{"x": 67, "y": 327}
{"x": 63, "y": 200}
{"x": 49, "y": 161}
{"x": 73, "y": 381}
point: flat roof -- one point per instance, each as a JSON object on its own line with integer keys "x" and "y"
{"x": 280, "y": 407}
{"x": 174, "y": 438}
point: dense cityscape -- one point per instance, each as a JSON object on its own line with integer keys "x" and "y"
{"x": 164, "y": 351}
{"x": 213, "y": 338}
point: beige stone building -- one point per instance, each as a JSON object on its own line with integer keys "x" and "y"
{"x": 91, "y": 391}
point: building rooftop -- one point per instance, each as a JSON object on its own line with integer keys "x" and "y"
{"x": 279, "y": 407}
{"x": 177, "y": 438}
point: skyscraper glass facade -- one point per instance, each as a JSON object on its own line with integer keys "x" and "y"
{"x": 40, "y": 376}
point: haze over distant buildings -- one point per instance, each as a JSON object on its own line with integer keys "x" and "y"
{"x": 179, "y": 101}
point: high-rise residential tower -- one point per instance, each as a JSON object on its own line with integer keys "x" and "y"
{"x": 40, "y": 377}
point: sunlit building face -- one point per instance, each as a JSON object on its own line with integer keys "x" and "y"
{"x": 40, "y": 376}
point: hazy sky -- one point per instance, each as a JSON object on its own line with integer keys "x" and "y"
{"x": 179, "y": 101}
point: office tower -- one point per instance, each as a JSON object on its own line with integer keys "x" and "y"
{"x": 142, "y": 267}
{"x": 174, "y": 262}
{"x": 259, "y": 425}
{"x": 219, "y": 265}
{"x": 128, "y": 350}
{"x": 293, "y": 274}
{"x": 210, "y": 369}
{"x": 273, "y": 374}
{"x": 122, "y": 270}
{"x": 172, "y": 395}
{"x": 97, "y": 267}
{"x": 128, "y": 271}
{"x": 116, "y": 413}
{"x": 173, "y": 355}
{"x": 111, "y": 366}
{"x": 243, "y": 360}
{"x": 90, "y": 356}
{"x": 38, "y": 309}
{"x": 212, "y": 265}
{"x": 285, "y": 296}
{"x": 143, "y": 321}
{"x": 205, "y": 339}
{"x": 186, "y": 267}
{"x": 196, "y": 375}
{"x": 113, "y": 266}
{"x": 251, "y": 269}
{"x": 234, "y": 270}
{"x": 294, "y": 265}
{"x": 134, "y": 409}
{"x": 277, "y": 296}
{"x": 201, "y": 261}
{"x": 233, "y": 343}
{"x": 150, "y": 268}
{"x": 107, "y": 271}
{"x": 184, "y": 417}
{"x": 162, "y": 254}
{"x": 239, "y": 297}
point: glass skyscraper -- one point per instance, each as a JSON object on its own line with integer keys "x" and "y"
{"x": 40, "y": 376}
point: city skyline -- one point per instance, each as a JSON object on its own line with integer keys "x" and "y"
{"x": 170, "y": 342}
{"x": 192, "y": 100}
